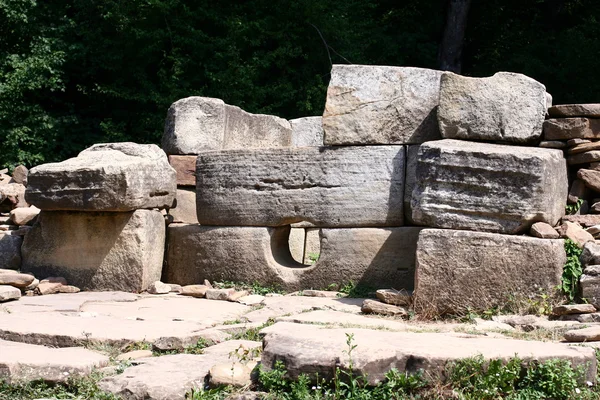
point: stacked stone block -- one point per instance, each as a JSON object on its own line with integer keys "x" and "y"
{"x": 100, "y": 226}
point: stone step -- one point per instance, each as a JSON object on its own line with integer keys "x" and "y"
{"x": 20, "y": 362}
{"x": 311, "y": 349}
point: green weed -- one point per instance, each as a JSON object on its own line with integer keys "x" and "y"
{"x": 572, "y": 270}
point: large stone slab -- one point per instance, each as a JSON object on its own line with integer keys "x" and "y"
{"x": 307, "y": 131}
{"x": 97, "y": 251}
{"x": 327, "y": 186}
{"x": 178, "y": 321}
{"x": 316, "y": 350}
{"x": 20, "y": 362}
{"x": 368, "y": 104}
{"x": 571, "y": 128}
{"x": 377, "y": 257}
{"x": 575, "y": 110}
{"x": 461, "y": 270}
{"x": 197, "y": 124}
{"x": 171, "y": 377}
{"x": 105, "y": 177}
{"x": 488, "y": 187}
{"x": 505, "y": 107}
{"x": 10, "y": 251}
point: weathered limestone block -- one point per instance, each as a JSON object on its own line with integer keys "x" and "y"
{"x": 368, "y": 104}
{"x": 327, "y": 186}
{"x": 505, "y": 107}
{"x": 458, "y": 270}
{"x": 571, "y": 128}
{"x": 376, "y": 257}
{"x": 307, "y": 132}
{"x": 185, "y": 211}
{"x": 197, "y": 124}
{"x": 10, "y": 251}
{"x": 97, "y": 251}
{"x": 185, "y": 167}
{"x": 488, "y": 187}
{"x": 105, "y": 177}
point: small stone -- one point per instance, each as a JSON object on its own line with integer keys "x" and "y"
{"x": 591, "y": 334}
{"x": 219, "y": 294}
{"x": 576, "y": 141}
{"x": 321, "y": 293}
{"x": 32, "y": 285}
{"x": 578, "y": 191}
{"x": 582, "y": 148}
{"x": 544, "y": 231}
{"x": 24, "y": 215}
{"x": 29, "y": 293}
{"x": 45, "y": 288}
{"x": 55, "y": 279}
{"x": 251, "y": 300}
{"x": 237, "y": 295}
{"x": 584, "y": 158}
{"x": 19, "y": 174}
{"x": 583, "y": 220}
{"x": 571, "y": 128}
{"x": 208, "y": 284}
{"x": 194, "y": 290}
{"x": 175, "y": 288}
{"x": 376, "y": 307}
{"x": 573, "y": 309}
{"x": 394, "y": 297}
{"x": 159, "y": 288}
{"x": 134, "y": 355}
{"x": 576, "y": 233}
{"x": 9, "y": 293}
{"x": 595, "y": 208}
{"x": 591, "y": 178}
{"x": 593, "y": 230}
{"x": 68, "y": 289}
{"x": 231, "y": 374}
{"x": 553, "y": 144}
{"x": 16, "y": 279}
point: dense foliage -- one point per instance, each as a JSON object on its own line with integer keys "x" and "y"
{"x": 73, "y": 73}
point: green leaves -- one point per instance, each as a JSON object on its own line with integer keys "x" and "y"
{"x": 572, "y": 270}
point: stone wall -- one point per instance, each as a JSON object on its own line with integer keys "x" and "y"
{"x": 412, "y": 179}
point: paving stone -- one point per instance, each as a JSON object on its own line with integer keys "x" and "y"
{"x": 219, "y": 294}
{"x": 574, "y": 110}
{"x": 327, "y": 186}
{"x": 105, "y": 177}
{"x": 374, "y": 257}
{"x": 182, "y": 372}
{"x": 251, "y": 300}
{"x": 232, "y": 374}
{"x": 196, "y": 124}
{"x": 505, "y": 107}
{"x": 185, "y": 166}
{"x": 66, "y": 302}
{"x": 458, "y": 270}
{"x": 307, "y": 132}
{"x": 488, "y": 187}
{"x": 97, "y": 251}
{"x": 591, "y": 334}
{"x": 344, "y": 319}
{"x": 369, "y": 104}
{"x": 20, "y": 362}
{"x": 321, "y": 293}
{"x": 134, "y": 355}
{"x": 318, "y": 350}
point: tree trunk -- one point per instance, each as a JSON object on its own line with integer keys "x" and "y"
{"x": 450, "y": 54}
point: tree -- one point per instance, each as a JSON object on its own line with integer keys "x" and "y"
{"x": 450, "y": 54}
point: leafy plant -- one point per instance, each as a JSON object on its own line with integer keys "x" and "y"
{"x": 571, "y": 209}
{"x": 572, "y": 270}
{"x": 313, "y": 257}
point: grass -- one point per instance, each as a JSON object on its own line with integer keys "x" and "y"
{"x": 252, "y": 288}
{"x": 252, "y": 333}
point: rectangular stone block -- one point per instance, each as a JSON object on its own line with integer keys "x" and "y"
{"x": 185, "y": 211}
{"x": 105, "y": 177}
{"x": 571, "y": 128}
{"x": 326, "y": 186}
{"x": 185, "y": 167}
{"x": 369, "y": 104}
{"x": 307, "y": 132}
{"x": 197, "y": 124}
{"x": 97, "y": 251}
{"x": 488, "y": 187}
{"x": 374, "y": 257}
{"x": 461, "y": 270}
